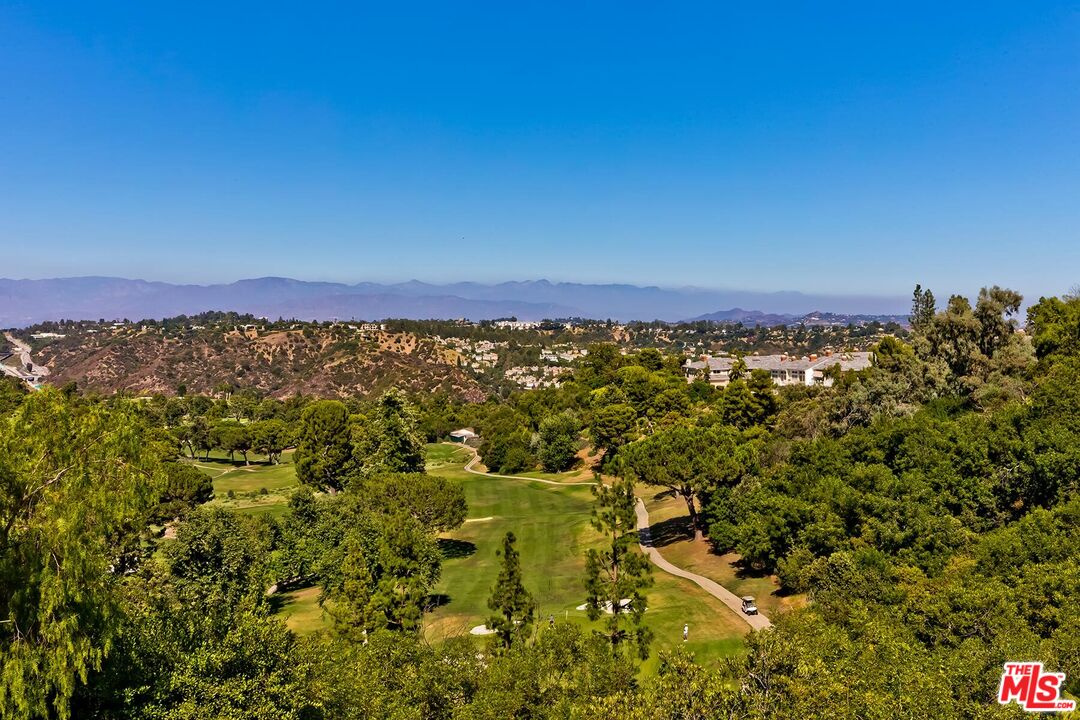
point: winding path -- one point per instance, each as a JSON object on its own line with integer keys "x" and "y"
{"x": 476, "y": 459}
{"x": 718, "y": 591}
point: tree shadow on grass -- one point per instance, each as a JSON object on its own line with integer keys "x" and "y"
{"x": 671, "y": 531}
{"x": 744, "y": 570}
{"x": 282, "y": 597}
{"x": 436, "y": 600}
{"x": 451, "y": 549}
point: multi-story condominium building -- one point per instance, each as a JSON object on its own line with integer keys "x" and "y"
{"x": 783, "y": 369}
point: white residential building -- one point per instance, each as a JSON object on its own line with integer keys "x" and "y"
{"x": 783, "y": 369}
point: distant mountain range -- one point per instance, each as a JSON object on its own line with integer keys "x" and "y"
{"x": 25, "y": 302}
{"x": 756, "y": 317}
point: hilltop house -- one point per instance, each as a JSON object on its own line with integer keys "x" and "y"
{"x": 783, "y": 369}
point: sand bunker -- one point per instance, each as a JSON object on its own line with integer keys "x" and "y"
{"x": 625, "y": 603}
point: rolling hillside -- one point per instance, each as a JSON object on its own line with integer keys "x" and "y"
{"x": 326, "y": 362}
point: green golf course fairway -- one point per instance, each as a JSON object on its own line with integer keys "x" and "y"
{"x": 552, "y": 527}
{"x": 247, "y": 482}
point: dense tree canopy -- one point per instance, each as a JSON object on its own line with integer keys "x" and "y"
{"x": 77, "y": 484}
{"x": 324, "y": 447}
{"x": 926, "y": 511}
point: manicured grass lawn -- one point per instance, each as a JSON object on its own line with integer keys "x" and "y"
{"x": 440, "y": 455}
{"x": 553, "y": 532}
{"x": 552, "y": 529}
{"x": 246, "y": 482}
{"x": 250, "y": 478}
{"x": 715, "y": 631}
{"x": 301, "y": 610}
{"x": 671, "y": 532}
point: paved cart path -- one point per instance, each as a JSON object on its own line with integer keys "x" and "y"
{"x": 718, "y": 591}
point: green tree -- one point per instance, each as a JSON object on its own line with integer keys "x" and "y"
{"x": 323, "y": 446}
{"x": 270, "y": 437}
{"x": 77, "y": 482}
{"x": 1055, "y": 326}
{"x": 178, "y": 659}
{"x": 231, "y": 437}
{"x": 185, "y": 487}
{"x": 195, "y": 436}
{"x": 513, "y": 606}
{"x": 351, "y": 611}
{"x": 995, "y": 309}
{"x": 505, "y": 445}
{"x": 242, "y": 404}
{"x": 616, "y": 575}
{"x": 690, "y": 461}
{"x": 389, "y": 568}
{"x": 390, "y": 439}
{"x": 749, "y": 402}
{"x": 255, "y": 669}
{"x": 558, "y": 442}
{"x": 738, "y": 370}
{"x": 923, "y": 308}
{"x": 219, "y": 558}
{"x": 612, "y": 427}
{"x": 436, "y": 502}
{"x": 641, "y": 386}
{"x": 303, "y": 539}
{"x": 12, "y": 393}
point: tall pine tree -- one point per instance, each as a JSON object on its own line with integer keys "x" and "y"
{"x": 512, "y": 604}
{"x": 923, "y": 308}
{"x": 616, "y": 575}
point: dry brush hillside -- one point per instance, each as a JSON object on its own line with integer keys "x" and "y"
{"x": 313, "y": 361}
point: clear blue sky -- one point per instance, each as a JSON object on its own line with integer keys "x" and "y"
{"x": 841, "y": 147}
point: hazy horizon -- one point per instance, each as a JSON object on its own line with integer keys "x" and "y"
{"x": 452, "y": 281}
{"x": 25, "y": 302}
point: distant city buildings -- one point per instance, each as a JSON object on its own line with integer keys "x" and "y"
{"x": 782, "y": 369}
{"x": 515, "y": 325}
{"x": 532, "y": 377}
{"x": 567, "y": 354}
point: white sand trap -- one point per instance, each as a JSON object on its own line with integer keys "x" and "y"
{"x": 483, "y": 519}
{"x": 481, "y": 630}
{"x": 607, "y": 606}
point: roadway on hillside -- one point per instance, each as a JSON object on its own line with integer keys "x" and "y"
{"x": 718, "y": 591}
{"x": 23, "y": 352}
